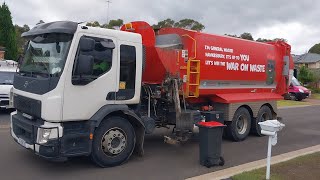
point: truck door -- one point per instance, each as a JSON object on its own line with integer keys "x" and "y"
{"x": 82, "y": 100}
{"x": 129, "y": 73}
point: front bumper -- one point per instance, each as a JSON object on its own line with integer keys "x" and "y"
{"x": 73, "y": 137}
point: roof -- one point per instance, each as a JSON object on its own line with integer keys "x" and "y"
{"x": 2, "y": 48}
{"x": 306, "y": 58}
{"x": 67, "y": 27}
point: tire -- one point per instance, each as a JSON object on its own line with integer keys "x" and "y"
{"x": 263, "y": 114}
{"x": 298, "y": 97}
{"x": 239, "y": 128}
{"x": 113, "y": 142}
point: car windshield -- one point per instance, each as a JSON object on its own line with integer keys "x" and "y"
{"x": 46, "y": 55}
{"x": 295, "y": 82}
{"x": 6, "y": 78}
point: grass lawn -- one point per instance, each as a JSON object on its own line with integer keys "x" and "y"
{"x": 304, "y": 167}
{"x": 315, "y": 96}
{"x": 283, "y": 103}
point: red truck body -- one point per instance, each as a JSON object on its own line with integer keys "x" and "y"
{"x": 220, "y": 68}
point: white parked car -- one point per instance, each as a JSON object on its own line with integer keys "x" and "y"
{"x": 7, "y": 70}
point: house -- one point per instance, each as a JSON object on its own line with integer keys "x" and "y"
{"x": 2, "y": 51}
{"x": 312, "y": 62}
{"x": 309, "y": 60}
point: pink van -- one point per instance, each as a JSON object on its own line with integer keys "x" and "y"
{"x": 297, "y": 91}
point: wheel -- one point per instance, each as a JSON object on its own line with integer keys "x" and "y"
{"x": 239, "y": 128}
{"x": 113, "y": 142}
{"x": 263, "y": 115}
{"x": 298, "y": 97}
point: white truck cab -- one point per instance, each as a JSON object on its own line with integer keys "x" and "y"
{"x": 7, "y": 70}
{"x": 71, "y": 79}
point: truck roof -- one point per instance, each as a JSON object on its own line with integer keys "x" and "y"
{"x": 120, "y": 35}
{"x": 8, "y": 66}
{"x": 67, "y": 27}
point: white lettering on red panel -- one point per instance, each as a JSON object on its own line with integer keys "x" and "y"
{"x": 220, "y": 53}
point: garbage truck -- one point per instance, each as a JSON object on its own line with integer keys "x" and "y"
{"x": 88, "y": 91}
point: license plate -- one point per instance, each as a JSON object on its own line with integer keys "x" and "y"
{"x": 22, "y": 142}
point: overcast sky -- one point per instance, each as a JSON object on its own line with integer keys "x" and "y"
{"x": 295, "y": 20}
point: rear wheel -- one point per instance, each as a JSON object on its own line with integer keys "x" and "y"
{"x": 263, "y": 115}
{"x": 239, "y": 128}
{"x": 113, "y": 142}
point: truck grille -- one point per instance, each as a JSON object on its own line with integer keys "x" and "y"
{"x": 27, "y": 105}
{"x": 4, "y": 102}
{"x": 24, "y": 128}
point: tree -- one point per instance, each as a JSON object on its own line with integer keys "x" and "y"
{"x": 7, "y": 33}
{"x": 183, "y": 23}
{"x": 40, "y": 22}
{"x": 315, "y": 49}
{"x": 269, "y": 40}
{"x": 247, "y": 36}
{"x": 113, "y": 24}
{"x": 232, "y": 35}
{"x": 21, "y": 42}
{"x": 305, "y": 75}
{"x": 189, "y": 24}
{"x": 164, "y": 23}
{"x": 94, "y": 24}
{"x": 263, "y": 40}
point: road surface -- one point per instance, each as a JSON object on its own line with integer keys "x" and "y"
{"x": 161, "y": 161}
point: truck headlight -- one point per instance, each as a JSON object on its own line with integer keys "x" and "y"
{"x": 45, "y": 134}
{"x": 300, "y": 90}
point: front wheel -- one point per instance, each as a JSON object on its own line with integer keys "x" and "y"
{"x": 298, "y": 97}
{"x": 113, "y": 142}
{"x": 239, "y": 128}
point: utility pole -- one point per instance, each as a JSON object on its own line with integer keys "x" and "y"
{"x": 108, "y": 1}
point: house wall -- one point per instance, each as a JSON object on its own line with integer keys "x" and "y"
{"x": 310, "y": 65}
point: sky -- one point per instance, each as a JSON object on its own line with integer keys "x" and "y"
{"x": 294, "y": 20}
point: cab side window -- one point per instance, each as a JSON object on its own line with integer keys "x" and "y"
{"x": 102, "y": 60}
{"x": 127, "y": 72}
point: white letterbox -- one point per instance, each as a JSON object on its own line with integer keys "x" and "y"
{"x": 270, "y": 128}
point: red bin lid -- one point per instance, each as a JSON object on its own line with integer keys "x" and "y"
{"x": 211, "y": 124}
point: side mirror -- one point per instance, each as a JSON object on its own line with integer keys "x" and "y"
{"x": 84, "y": 65}
{"x": 108, "y": 44}
{"x": 86, "y": 44}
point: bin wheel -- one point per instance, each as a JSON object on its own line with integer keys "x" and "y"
{"x": 221, "y": 163}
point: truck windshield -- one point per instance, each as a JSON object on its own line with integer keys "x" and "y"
{"x": 295, "y": 82}
{"x": 6, "y": 78}
{"x": 46, "y": 55}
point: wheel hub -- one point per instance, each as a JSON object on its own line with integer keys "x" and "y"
{"x": 242, "y": 124}
{"x": 114, "y": 141}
